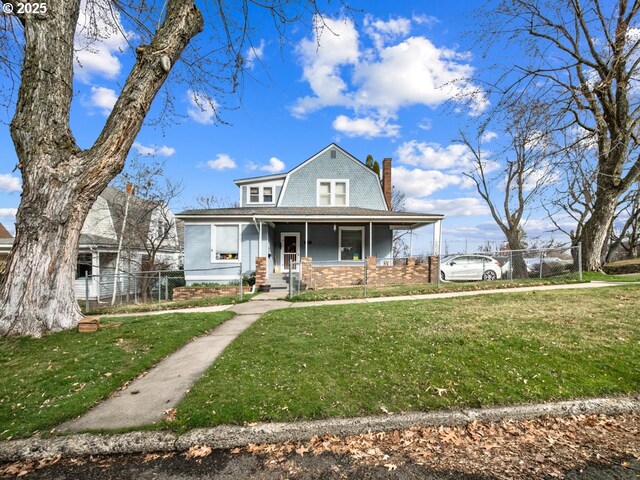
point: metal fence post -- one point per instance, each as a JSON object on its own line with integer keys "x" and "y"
{"x": 86, "y": 292}
{"x": 240, "y": 294}
{"x": 166, "y": 288}
{"x": 580, "y": 261}
{"x": 541, "y": 254}
{"x": 438, "y": 270}
{"x": 159, "y": 288}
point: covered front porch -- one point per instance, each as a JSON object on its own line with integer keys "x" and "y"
{"x": 338, "y": 241}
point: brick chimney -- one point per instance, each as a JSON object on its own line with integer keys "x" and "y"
{"x": 386, "y": 181}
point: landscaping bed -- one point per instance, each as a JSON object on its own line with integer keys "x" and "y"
{"x": 623, "y": 267}
{"x": 198, "y": 293}
{"x": 166, "y": 305}
{"x": 47, "y": 381}
{"x": 349, "y": 360}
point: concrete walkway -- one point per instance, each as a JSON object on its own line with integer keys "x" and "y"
{"x": 145, "y": 400}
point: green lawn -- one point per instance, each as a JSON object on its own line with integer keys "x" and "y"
{"x": 336, "y": 361}
{"x": 46, "y": 381}
{"x": 167, "y": 305}
{"x": 603, "y": 277}
{"x": 422, "y": 289}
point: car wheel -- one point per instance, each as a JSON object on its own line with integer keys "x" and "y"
{"x": 441, "y": 275}
{"x": 489, "y": 275}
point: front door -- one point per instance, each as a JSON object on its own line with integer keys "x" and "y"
{"x": 290, "y": 251}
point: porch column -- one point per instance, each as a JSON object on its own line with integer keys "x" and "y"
{"x": 260, "y": 239}
{"x": 437, "y": 237}
{"x": 371, "y": 239}
{"x": 306, "y": 238}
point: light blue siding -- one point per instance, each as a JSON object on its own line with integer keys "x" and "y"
{"x": 197, "y": 254}
{"x": 364, "y": 185}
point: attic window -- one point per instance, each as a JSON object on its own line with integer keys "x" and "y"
{"x": 260, "y": 194}
{"x": 332, "y": 193}
{"x": 333, "y": 153}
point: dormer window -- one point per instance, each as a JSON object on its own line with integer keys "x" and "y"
{"x": 333, "y": 193}
{"x": 260, "y": 195}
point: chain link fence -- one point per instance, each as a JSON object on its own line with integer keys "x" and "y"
{"x": 510, "y": 265}
{"x": 523, "y": 266}
{"x": 96, "y": 292}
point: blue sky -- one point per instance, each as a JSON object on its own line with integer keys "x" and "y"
{"x": 388, "y": 85}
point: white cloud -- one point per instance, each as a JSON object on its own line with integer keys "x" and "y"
{"x": 365, "y": 127}
{"x": 275, "y": 166}
{"x": 222, "y": 162}
{"x": 9, "y": 183}
{"x": 253, "y": 53}
{"x": 322, "y": 56}
{"x": 382, "y": 32}
{"x": 103, "y": 98}
{"x": 455, "y": 207}
{"x": 202, "y": 109}
{"x": 154, "y": 150}
{"x": 376, "y": 83}
{"x": 425, "y": 124}
{"x": 433, "y": 155}
{"x": 8, "y": 213}
{"x": 488, "y": 136}
{"x": 99, "y": 38}
{"x": 421, "y": 183}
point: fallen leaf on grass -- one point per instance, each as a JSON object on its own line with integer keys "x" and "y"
{"x": 170, "y": 414}
{"x": 390, "y": 466}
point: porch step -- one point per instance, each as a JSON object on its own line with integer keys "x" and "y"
{"x": 279, "y": 280}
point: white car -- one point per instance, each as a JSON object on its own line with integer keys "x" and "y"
{"x": 470, "y": 267}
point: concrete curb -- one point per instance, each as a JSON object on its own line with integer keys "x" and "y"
{"x": 235, "y": 436}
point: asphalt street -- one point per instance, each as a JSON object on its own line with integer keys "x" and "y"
{"x": 222, "y": 464}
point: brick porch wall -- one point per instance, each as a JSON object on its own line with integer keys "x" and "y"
{"x": 335, "y": 276}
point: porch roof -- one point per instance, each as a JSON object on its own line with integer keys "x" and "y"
{"x": 314, "y": 215}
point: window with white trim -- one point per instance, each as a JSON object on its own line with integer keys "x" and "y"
{"x": 260, "y": 195}
{"x": 351, "y": 243}
{"x": 333, "y": 193}
{"x": 225, "y": 243}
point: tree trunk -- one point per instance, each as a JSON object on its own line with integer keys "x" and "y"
{"x": 38, "y": 290}
{"x": 595, "y": 231}
{"x": 518, "y": 265}
{"x": 60, "y": 181}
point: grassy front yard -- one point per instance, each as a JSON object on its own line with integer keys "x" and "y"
{"x": 46, "y": 381}
{"x": 444, "y": 287}
{"x": 422, "y": 289}
{"x": 349, "y": 360}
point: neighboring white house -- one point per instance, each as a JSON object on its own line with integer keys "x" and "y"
{"x": 146, "y": 225}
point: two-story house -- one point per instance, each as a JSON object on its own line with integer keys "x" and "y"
{"x": 121, "y": 222}
{"x": 331, "y": 208}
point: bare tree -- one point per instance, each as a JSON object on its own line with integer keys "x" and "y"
{"x": 60, "y": 179}
{"x": 150, "y": 225}
{"x": 400, "y": 248}
{"x": 212, "y": 201}
{"x": 511, "y": 181}
{"x": 582, "y": 60}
